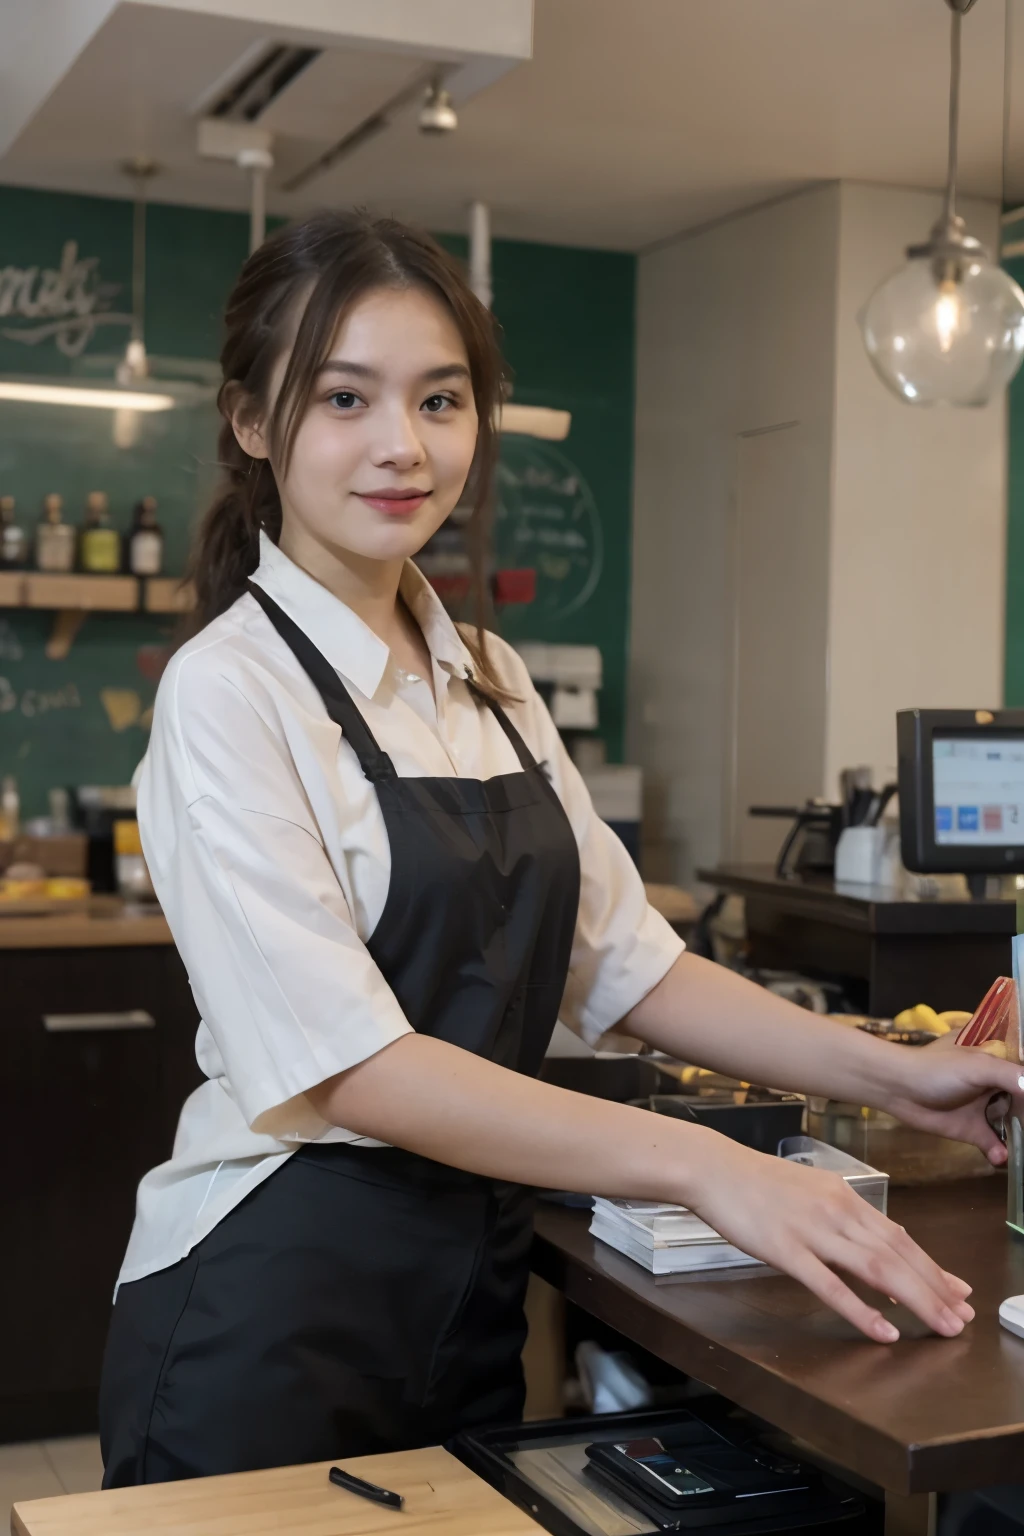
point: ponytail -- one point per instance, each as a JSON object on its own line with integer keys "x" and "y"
{"x": 226, "y": 547}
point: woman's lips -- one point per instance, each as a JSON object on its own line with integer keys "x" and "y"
{"x": 396, "y": 506}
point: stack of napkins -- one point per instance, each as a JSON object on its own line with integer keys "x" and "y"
{"x": 666, "y": 1239}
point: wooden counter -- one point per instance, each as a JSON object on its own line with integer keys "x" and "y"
{"x": 106, "y": 925}
{"x": 922, "y": 1415}
{"x": 889, "y": 951}
{"x": 442, "y": 1498}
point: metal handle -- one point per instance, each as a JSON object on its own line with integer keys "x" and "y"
{"x": 70, "y": 1023}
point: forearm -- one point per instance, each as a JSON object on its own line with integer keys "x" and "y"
{"x": 457, "y": 1108}
{"x": 705, "y": 1013}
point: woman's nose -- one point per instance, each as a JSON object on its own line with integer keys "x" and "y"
{"x": 399, "y": 443}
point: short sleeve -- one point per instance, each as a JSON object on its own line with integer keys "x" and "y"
{"x": 288, "y": 992}
{"x": 622, "y": 947}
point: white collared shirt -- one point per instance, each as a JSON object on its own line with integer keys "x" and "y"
{"x": 268, "y": 852}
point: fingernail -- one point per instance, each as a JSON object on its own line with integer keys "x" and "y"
{"x": 886, "y": 1333}
{"x": 964, "y": 1311}
{"x": 951, "y": 1322}
{"x": 1020, "y": 1082}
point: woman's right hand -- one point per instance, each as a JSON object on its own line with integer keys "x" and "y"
{"x": 811, "y": 1224}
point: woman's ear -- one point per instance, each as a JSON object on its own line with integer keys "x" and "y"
{"x": 241, "y": 412}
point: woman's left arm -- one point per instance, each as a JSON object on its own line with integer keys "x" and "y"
{"x": 703, "y": 1013}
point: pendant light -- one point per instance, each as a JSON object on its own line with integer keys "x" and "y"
{"x": 526, "y": 420}
{"x": 949, "y": 325}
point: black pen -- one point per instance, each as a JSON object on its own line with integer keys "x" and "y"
{"x": 365, "y": 1490}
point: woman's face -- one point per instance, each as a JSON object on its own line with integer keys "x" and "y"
{"x": 383, "y": 452}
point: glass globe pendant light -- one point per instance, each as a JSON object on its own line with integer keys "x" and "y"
{"x": 948, "y": 326}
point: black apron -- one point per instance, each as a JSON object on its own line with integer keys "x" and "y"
{"x": 366, "y": 1299}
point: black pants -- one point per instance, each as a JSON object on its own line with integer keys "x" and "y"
{"x": 359, "y": 1300}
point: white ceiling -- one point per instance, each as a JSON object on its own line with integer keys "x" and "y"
{"x": 636, "y": 119}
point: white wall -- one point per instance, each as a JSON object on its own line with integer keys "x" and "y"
{"x": 735, "y": 334}
{"x": 916, "y": 610}
{"x": 871, "y": 570}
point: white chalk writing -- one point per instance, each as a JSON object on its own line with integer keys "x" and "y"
{"x": 37, "y": 701}
{"x": 68, "y": 303}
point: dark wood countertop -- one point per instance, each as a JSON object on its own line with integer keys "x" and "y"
{"x": 925, "y": 1414}
{"x": 108, "y": 924}
{"x": 867, "y": 908}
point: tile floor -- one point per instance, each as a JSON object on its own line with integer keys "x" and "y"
{"x": 38, "y": 1469}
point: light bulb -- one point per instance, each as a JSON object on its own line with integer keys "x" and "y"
{"x": 135, "y": 364}
{"x": 947, "y": 326}
{"x": 947, "y": 314}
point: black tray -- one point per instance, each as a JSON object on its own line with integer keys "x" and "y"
{"x": 761, "y": 1123}
{"x": 487, "y": 1453}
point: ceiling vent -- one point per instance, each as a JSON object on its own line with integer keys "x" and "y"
{"x": 260, "y": 79}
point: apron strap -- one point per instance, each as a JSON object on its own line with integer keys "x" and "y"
{"x": 522, "y": 751}
{"x": 376, "y": 765}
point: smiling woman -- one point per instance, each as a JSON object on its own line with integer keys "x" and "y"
{"x": 387, "y": 882}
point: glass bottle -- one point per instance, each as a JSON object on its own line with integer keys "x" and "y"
{"x": 13, "y": 538}
{"x": 100, "y": 545}
{"x": 10, "y": 808}
{"x": 146, "y": 540}
{"x": 55, "y": 539}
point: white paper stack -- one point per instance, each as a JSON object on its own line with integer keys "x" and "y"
{"x": 666, "y": 1239}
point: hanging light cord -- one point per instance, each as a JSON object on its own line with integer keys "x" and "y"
{"x": 959, "y": 9}
{"x": 949, "y": 205}
{"x": 139, "y": 259}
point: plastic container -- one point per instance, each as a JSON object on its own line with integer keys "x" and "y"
{"x": 908, "y": 1156}
{"x": 870, "y": 1183}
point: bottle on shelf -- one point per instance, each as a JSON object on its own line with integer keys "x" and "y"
{"x": 10, "y": 808}
{"x": 55, "y": 539}
{"x": 100, "y": 545}
{"x": 146, "y": 540}
{"x": 13, "y": 538}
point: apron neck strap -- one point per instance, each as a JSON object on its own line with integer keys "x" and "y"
{"x": 522, "y": 751}
{"x": 376, "y": 765}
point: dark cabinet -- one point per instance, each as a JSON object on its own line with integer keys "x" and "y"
{"x": 98, "y": 1054}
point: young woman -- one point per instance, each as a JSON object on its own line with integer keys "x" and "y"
{"x": 387, "y": 881}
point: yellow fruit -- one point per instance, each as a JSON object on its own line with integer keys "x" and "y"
{"x": 995, "y": 1048}
{"x": 924, "y": 1016}
{"x": 905, "y": 1020}
{"x": 67, "y": 888}
{"x": 955, "y": 1018}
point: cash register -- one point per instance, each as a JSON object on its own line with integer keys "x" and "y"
{"x": 961, "y": 788}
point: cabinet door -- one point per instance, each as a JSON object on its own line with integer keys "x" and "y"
{"x": 98, "y": 1050}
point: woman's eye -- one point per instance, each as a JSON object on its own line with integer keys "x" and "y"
{"x": 343, "y": 399}
{"x": 437, "y": 403}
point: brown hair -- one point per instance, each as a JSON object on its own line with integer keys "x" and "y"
{"x": 334, "y": 258}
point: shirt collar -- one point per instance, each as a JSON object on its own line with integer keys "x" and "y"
{"x": 348, "y": 643}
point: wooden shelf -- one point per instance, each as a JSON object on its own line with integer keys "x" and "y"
{"x": 94, "y": 594}
{"x": 167, "y": 594}
{"x": 71, "y": 597}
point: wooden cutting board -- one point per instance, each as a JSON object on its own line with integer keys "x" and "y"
{"x": 442, "y": 1498}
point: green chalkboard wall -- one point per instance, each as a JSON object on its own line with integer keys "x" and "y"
{"x": 568, "y": 318}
